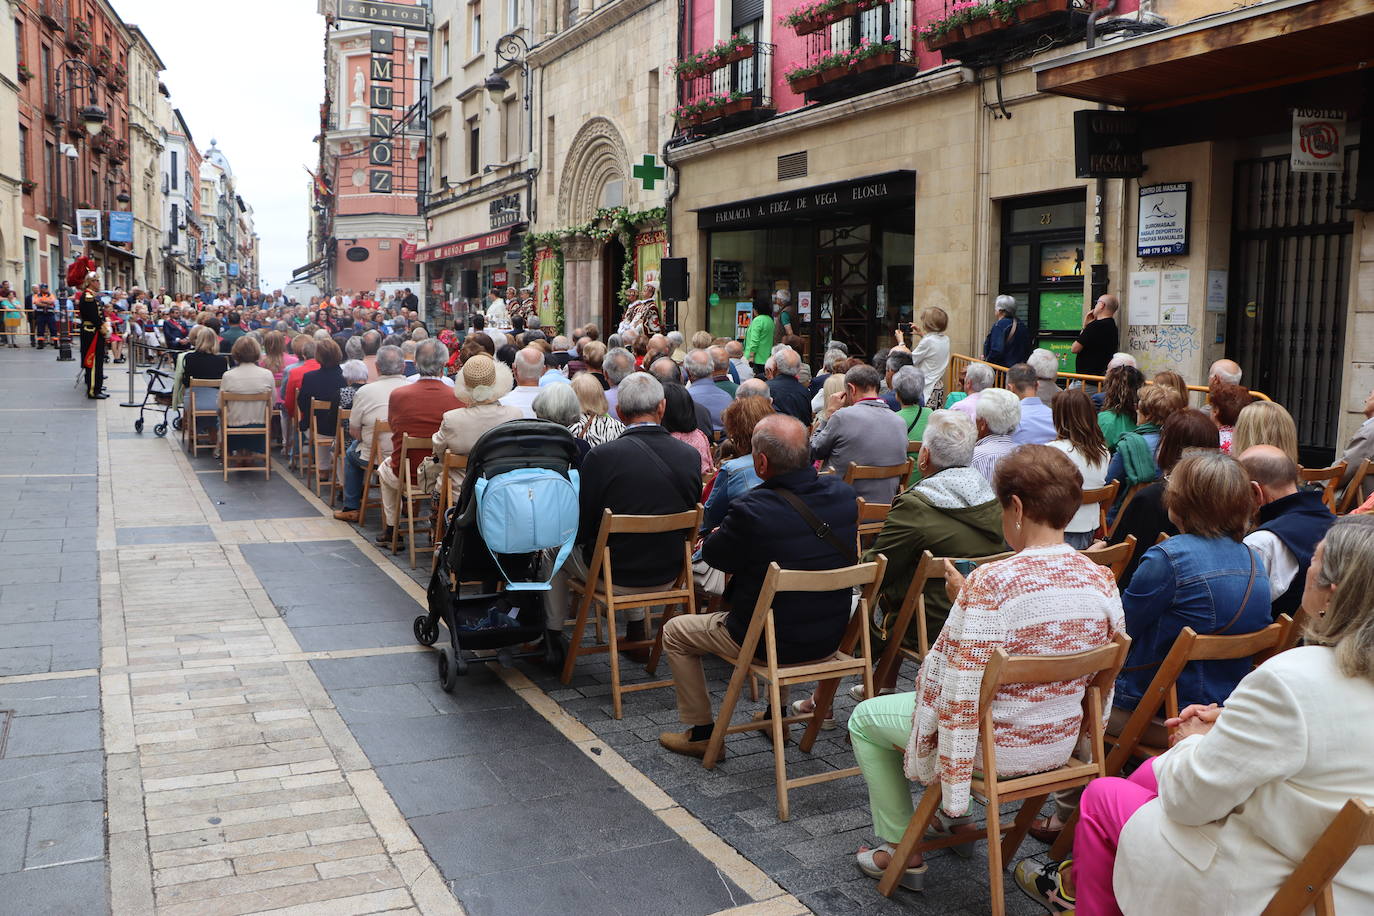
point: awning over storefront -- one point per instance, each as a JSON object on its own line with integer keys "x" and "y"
{"x": 103, "y": 248}
{"x": 308, "y": 271}
{"x": 459, "y": 247}
{"x": 1258, "y": 47}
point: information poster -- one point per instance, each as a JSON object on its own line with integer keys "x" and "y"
{"x": 744, "y": 313}
{"x": 1060, "y": 260}
{"x": 1142, "y": 301}
{"x": 1216, "y": 290}
{"x": 1318, "y": 140}
{"x": 1173, "y": 287}
{"x": 1162, "y": 220}
{"x": 804, "y": 306}
{"x": 1061, "y": 311}
{"x": 1063, "y": 349}
{"x": 88, "y": 225}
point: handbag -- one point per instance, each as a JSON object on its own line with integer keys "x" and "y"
{"x": 427, "y": 474}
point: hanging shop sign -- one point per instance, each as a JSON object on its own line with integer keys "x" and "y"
{"x": 504, "y": 210}
{"x": 121, "y": 226}
{"x": 407, "y": 17}
{"x": 1318, "y": 140}
{"x": 1106, "y": 144}
{"x": 88, "y": 225}
{"x": 460, "y": 247}
{"x": 1162, "y": 220}
{"x": 875, "y": 191}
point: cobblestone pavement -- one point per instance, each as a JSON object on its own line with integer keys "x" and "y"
{"x": 213, "y": 687}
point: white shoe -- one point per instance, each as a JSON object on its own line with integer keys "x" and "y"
{"x": 827, "y": 724}
{"x": 913, "y": 879}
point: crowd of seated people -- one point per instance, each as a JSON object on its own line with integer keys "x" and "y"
{"x": 1227, "y": 538}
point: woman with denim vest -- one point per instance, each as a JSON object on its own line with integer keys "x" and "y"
{"x": 1204, "y": 578}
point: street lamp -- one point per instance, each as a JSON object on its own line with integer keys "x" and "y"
{"x": 73, "y": 75}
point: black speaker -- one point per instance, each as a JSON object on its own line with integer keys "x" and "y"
{"x": 674, "y": 282}
{"x": 470, "y": 284}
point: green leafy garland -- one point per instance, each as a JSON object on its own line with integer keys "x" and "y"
{"x": 606, "y": 224}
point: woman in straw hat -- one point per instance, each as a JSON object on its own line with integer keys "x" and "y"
{"x": 482, "y": 383}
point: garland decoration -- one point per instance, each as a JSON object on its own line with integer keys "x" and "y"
{"x": 606, "y": 224}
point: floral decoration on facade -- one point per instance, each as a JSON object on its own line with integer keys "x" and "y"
{"x": 722, "y": 53}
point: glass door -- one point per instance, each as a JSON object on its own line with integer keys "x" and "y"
{"x": 842, "y": 309}
{"x": 1044, "y": 268}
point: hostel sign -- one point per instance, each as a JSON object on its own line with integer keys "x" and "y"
{"x": 1318, "y": 140}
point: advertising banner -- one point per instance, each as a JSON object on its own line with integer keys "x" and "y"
{"x": 121, "y": 226}
{"x": 1318, "y": 140}
{"x": 88, "y": 225}
{"x": 546, "y": 269}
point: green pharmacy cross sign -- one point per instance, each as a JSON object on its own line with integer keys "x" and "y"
{"x": 649, "y": 172}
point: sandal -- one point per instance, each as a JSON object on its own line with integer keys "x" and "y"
{"x": 1043, "y": 829}
{"x": 799, "y": 708}
{"x": 913, "y": 879}
{"x": 943, "y": 827}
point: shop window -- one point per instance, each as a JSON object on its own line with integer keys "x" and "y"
{"x": 1043, "y": 265}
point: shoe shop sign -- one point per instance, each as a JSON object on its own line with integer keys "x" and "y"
{"x": 1318, "y": 140}
{"x": 396, "y": 14}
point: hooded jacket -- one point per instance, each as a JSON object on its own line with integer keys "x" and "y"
{"x": 952, "y": 513}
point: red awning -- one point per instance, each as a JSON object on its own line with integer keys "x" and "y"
{"x": 459, "y": 247}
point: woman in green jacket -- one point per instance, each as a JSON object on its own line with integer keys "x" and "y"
{"x": 758, "y": 340}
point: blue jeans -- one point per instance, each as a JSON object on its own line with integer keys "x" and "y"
{"x": 354, "y": 471}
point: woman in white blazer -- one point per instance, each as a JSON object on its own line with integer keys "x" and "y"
{"x": 1216, "y": 824}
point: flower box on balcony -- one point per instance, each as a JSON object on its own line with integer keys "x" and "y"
{"x": 722, "y": 54}
{"x": 78, "y": 42}
{"x": 936, "y": 41}
{"x": 1038, "y": 9}
{"x": 737, "y": 106}
{"x": 25, "y": 74}
{"x": 981, "y": 25}
{"x": 804, "y": 83}
{"x": 28, "y": 185}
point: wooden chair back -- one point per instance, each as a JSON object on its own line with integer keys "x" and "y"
{"x": 930, "y": 569}
{"x": 336, "y": 479}
{"x": 1329, "y": 478}
{"x": 872, "y": 517}
{"x": 599, "y": 587}
{"x": 867, "y": 577}
{"x": 264, "y": 428}
{"x": 1116, "y": 557}
{"x": 1309, "y": 885}
{"x": 411, "y": 494}
{"x": 876, "y": 472}
{"x": 381, "y": 430}
{"x": 1351, "y": 499}
{"x": 1126, "y": 501}
{"x": 1100, "y": 667}
{"x": 188, "y": 425}
{"x": 318, "y": 441}
{"x": 1102, "y": 497}
{"x": 452, "y": 462}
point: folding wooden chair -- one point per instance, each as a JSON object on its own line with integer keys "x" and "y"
{"x": 874, "y": 472}
{"x": 599, "y": 587}
{"x": 336, "y": 477}
{"x": 872, "y": 517}
{"x": 913, "y": 454}
{"x": 1160, "y": 699}
{"x": 1126, "y": 501}
{"x": 1101, "y": 665}
{"x": 1116, "y": 557}
{"x": 1102, "y": 497}
{"x": 188, "y": 423}
{"x": 452, "y": 462}
{"x": 1352, "y": 499}
{"x": 930, "y": 569}
{"x": 318, "y": 441}
{"x": 381, "y": 430}
{"x": 264, "y": 429}
{"x": 869, "y": 577}
{"x": 1329, "y": 478}
{"x": 411, "y": 493}
{"x": 1309, "y": 885}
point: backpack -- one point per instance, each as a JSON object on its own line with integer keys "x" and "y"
{"x": 528, "y": 510}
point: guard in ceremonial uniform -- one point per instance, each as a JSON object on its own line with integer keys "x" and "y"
{"x": 92, "y": 340}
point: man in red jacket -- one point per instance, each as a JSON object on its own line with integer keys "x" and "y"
{"x": 416, "y": 409}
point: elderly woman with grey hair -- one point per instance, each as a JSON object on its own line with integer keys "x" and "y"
{"x": 559, "y": 404}
{"x": 355, "y": 377}
{"x": 909, "y": 385}
{"x": 1009, "y": 341}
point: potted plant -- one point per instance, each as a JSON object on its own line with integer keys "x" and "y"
{"x": 1038, "y": 9}
{"x": 28, "y": 184}
{"x": 872, "y": 55}
{"x": 739, "y": 102}
{"x": 816, "y": 15}
{"x": 25, "y": 74}
{"x": 802, "y": 79}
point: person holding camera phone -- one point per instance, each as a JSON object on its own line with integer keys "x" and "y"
{"x": 930, "y": 355}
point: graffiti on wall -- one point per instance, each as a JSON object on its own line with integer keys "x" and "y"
{"x": 1163, "y": 347}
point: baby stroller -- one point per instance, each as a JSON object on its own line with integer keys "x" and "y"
{"x": 158, "y": 397}
{"x": 519, "y": 499}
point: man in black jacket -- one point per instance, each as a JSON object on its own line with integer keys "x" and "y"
{"x": 643, "y": 472}
{"x": 763, "y": 527}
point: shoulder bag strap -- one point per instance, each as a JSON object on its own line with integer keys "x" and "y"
{"x": 1246, "y": 599}
{"x": 912, "y": 425}
{"x": 821, "y": 529}
{"x": 662, "y": 467}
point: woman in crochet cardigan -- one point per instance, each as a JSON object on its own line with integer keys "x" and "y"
{"x": 1046, "y": 600}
